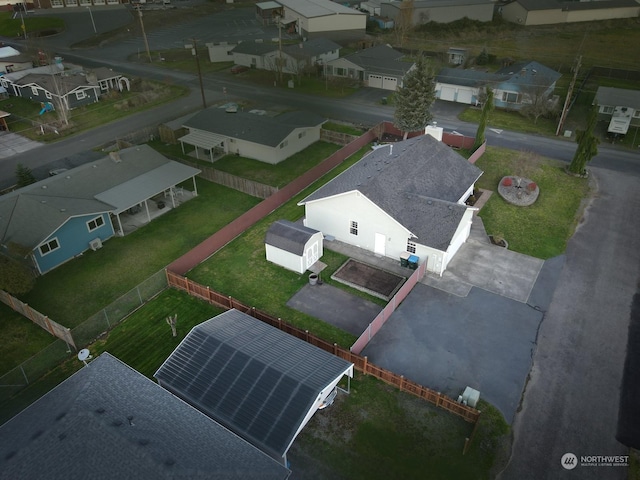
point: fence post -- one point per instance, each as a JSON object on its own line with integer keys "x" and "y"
{"x": 401, "y": 383}
{"x": 335, "y": 348}
{"x": 230, "y": 302}
{"x": 364, "y": 368}
{"x": 306, "y": 335}
{"x": 186, "y": 281}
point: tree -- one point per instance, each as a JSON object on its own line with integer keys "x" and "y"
{"x": 587, "y": 145}
{"x": 403, "y": 23}
{"x": 484, "y": 118}
{"x": 15, "y": 277}
{"x": 535, "y": 97}
{"x": 415, "y": 98}
{"x": 24, "y": 175}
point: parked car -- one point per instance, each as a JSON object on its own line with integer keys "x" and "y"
{"x": 239, "y": 69}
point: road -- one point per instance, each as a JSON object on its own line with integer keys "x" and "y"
{"x": 570, "y": 404}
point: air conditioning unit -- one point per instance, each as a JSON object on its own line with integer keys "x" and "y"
{"x": 95, "y": 244}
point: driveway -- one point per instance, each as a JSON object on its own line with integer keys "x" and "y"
{"x": 12, "y": 144}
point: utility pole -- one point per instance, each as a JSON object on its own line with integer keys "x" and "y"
{"x": 144, "y": 35}
{"x": 195, "y": 52}
{"x": 567, "y": 101}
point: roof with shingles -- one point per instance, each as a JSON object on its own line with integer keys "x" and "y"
{"x": 259, "y": 129}
{"x": 618, "y": 97}
{"x": 467, "y": 77}
{"x": 109, "y": 421}
{"x": 30, "y": 214}
{"x": 311, "y": 48}
{"x": 289, "y": 236}
{"x": 417, "y": 182}
{"x": 255, "y": 48}
{"x": 525, "y": 73}
{"x": 380, "y": 59}
{"x": 56, "y": 84}
{"x": 255, "y": 379}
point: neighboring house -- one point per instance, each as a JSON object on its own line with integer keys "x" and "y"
{"x": 545, "y": 12}
{"x": 403, "y": 197}
{"x": 11, "y": 60}
{"x": 71, "y": 88}
{"x": 294, "y": 59}
{"x": 109, "y": 421}
{"x": 514, "y": 87}
{"x": 323, "y": 18}
{"x": 378, "y": 67}
{"x": 441, "y": 11}
{"x": 258, "y": 381}
{"x": 60, "y": 217}
{"x": 620, "y": 107}
{"x": 263, "y": 138}
{"x": 293, "y": 246}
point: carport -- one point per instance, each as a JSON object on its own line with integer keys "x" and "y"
{"x": 258, "y": 381}
{"x": 205, "y": 140}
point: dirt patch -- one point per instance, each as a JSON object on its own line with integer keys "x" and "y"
{"x": 370, "y": 279}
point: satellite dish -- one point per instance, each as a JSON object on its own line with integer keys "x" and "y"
{"x": 84, "y": 355}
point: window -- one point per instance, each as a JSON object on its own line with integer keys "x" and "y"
{"x": 411, "y": 246}
{"x": 510, "y": 97}
{"x": 34, "y": 90}
{"x": 302, "y": 134}
{"x": 47, "y": 94}
{"x": 606, "y": 109}
{"x": 340, "y": 72}
{"x": 95, "y": 223}
{"x": 284, "y": 144}
{"x": 49, "y": 247}
{"x": 636, "y": 114}
{"x": 353, "y": 230}
{"x": 81, "y": 94}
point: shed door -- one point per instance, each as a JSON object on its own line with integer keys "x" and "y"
{"x": 312, "y": 254}
{"x": 379, "y": 244}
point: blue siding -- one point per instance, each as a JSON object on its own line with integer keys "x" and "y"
{"x": 73, "y": 238}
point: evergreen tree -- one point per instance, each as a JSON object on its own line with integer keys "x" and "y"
{"x": 24, "y": 175}
{"x": 587, "y": 145}
{"x": 415, "y": 98}
{"x": 484, "y": 118}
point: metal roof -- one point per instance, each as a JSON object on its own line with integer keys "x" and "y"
{"x": 258, "y": 381}
{"x": 109, "y": 421}
{"x": 417, "y": 182}
{"x": 618, "y": 97}
{"x": 289, "y": 236}
{"x": 318, "y": 8}
{"x": 206, "y": 140}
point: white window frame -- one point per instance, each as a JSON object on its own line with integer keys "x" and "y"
{"x": 81, "y": 94}
{"x": 34, "y": 91}
{"x": 47, "y": 94}
{"x": 411, "y": 246}
{"x": 49, "y": 246}
{"x": 302, "y": 134}
{"x": 284, "y": 144}
{"x": 93, "y": 223}
{"x": 353, "y": 228}
{"x": 607, "y": 109}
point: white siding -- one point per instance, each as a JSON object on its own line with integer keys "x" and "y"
{"x": 461, "y": 235}
{"x": 285, "y": 259}
{"x": 292, "y": 144}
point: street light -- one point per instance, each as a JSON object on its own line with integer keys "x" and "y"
{"x": 92, "y": 22}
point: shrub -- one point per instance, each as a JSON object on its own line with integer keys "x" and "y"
{"x": 532, "y": 187}
{"x": 507, "y": 182}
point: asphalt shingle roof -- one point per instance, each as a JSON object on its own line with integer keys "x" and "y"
{"x": 107, "y": 421}
{"x": 289, "y": 236}
{"x": 467, "y": 77}
{"x": 618, "y": 97}
{"x": 527, "y": 72}
{"x": 418, "y": 182}
{"x": 257, "y": 380}
{"x": 380, "y": 59}
{"x": 259, "y": 129}
{"x": 311, "y": 48}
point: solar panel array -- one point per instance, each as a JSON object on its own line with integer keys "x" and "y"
{"x": 255, "y": 379}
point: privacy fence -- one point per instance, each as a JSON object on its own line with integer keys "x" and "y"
{"x": 361, "y": 363}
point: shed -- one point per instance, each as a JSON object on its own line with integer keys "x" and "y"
{"x": 293, "y": 246}
{"x": 260, "y": 382}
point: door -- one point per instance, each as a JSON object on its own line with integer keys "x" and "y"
{"x": 448, "y": 93}
{"x": 464, "y": 96}
{"x": 379, "y": 245}
{"x": 390, "y": 83}
{"x": 312, "y": 254}
{"x": 375, "y": 81}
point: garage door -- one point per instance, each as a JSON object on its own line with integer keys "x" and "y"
{"x": 464, "y": 96}
{"x": 448, "y": 93}
{"x": 374, "y": 81}
{"x": 390, "y": 83}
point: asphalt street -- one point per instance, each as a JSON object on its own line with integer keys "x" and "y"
{"x": 570, "y": 403}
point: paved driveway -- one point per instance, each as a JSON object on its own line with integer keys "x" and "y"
{"x": 12, "y": 143}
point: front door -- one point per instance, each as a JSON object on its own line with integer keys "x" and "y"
{"x": 379, "y": 244}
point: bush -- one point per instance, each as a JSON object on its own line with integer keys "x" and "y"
{"x": 507, "y": 182}
{"x": 532, "y": 187}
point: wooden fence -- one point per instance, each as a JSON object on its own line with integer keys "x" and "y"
{"x": 360, "y": 363}
{"x": 38, "y": 318}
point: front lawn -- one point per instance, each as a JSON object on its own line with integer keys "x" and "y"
{"x": 12, "y": 27}
{"x": 542, "y": 229}
{"x": 508, "y": 120}
{"x": 74, "y": 291}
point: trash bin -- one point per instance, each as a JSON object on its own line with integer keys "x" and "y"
{"x": 413, "y": 262}
{"x": 404, "y": 259}
{"x": 313, "y": 279}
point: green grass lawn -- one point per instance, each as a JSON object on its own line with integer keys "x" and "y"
{"x": 21, "y": 338}
{"x": 509, "y": 120}
{"x": 341, "y": 128}
{"x": 74, "y": 291}
{"x": 182, "y": 59}
{"x": 542, "y": 229}
{"x": 12, "y": 27}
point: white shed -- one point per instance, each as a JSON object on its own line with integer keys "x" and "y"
{"x": 293, "y": 246}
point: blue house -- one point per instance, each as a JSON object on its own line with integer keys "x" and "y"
{"x": 514, "y": 86}
{"x": 59, "y": 218}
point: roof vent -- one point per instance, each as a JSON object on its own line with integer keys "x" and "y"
{"x": 43, "y": 201}
{"x": 44, "y": 187}
{"x": 63, "y": 209}
{"x": 68, "y": 177}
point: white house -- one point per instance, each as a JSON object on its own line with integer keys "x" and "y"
{"x": 403, "y": 197}
{"x": 620, "y": 107}
{"x": 293, "y": 246}
{"x": 263, "y": 138}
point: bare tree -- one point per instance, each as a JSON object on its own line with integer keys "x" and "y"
{"x": 536, "y": 98}
{"x": 171, "y": 321}
{"x": 403, "y": 23}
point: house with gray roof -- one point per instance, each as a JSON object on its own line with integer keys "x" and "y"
{"x": 618, "y": 106}
{"x": 109, "y": 421}
{"x": 293, "y": 246}
{"x": 58, "y": 218}
{"x": 514, "y": 86}
{"x": 404, "y": 197}
{"x": 260, "y": 137}
{"x": 258, "y": 381}
{"x": 294, "y": 59}
{"x": 547, "y": 12}
{"x": 378, "y": 67}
